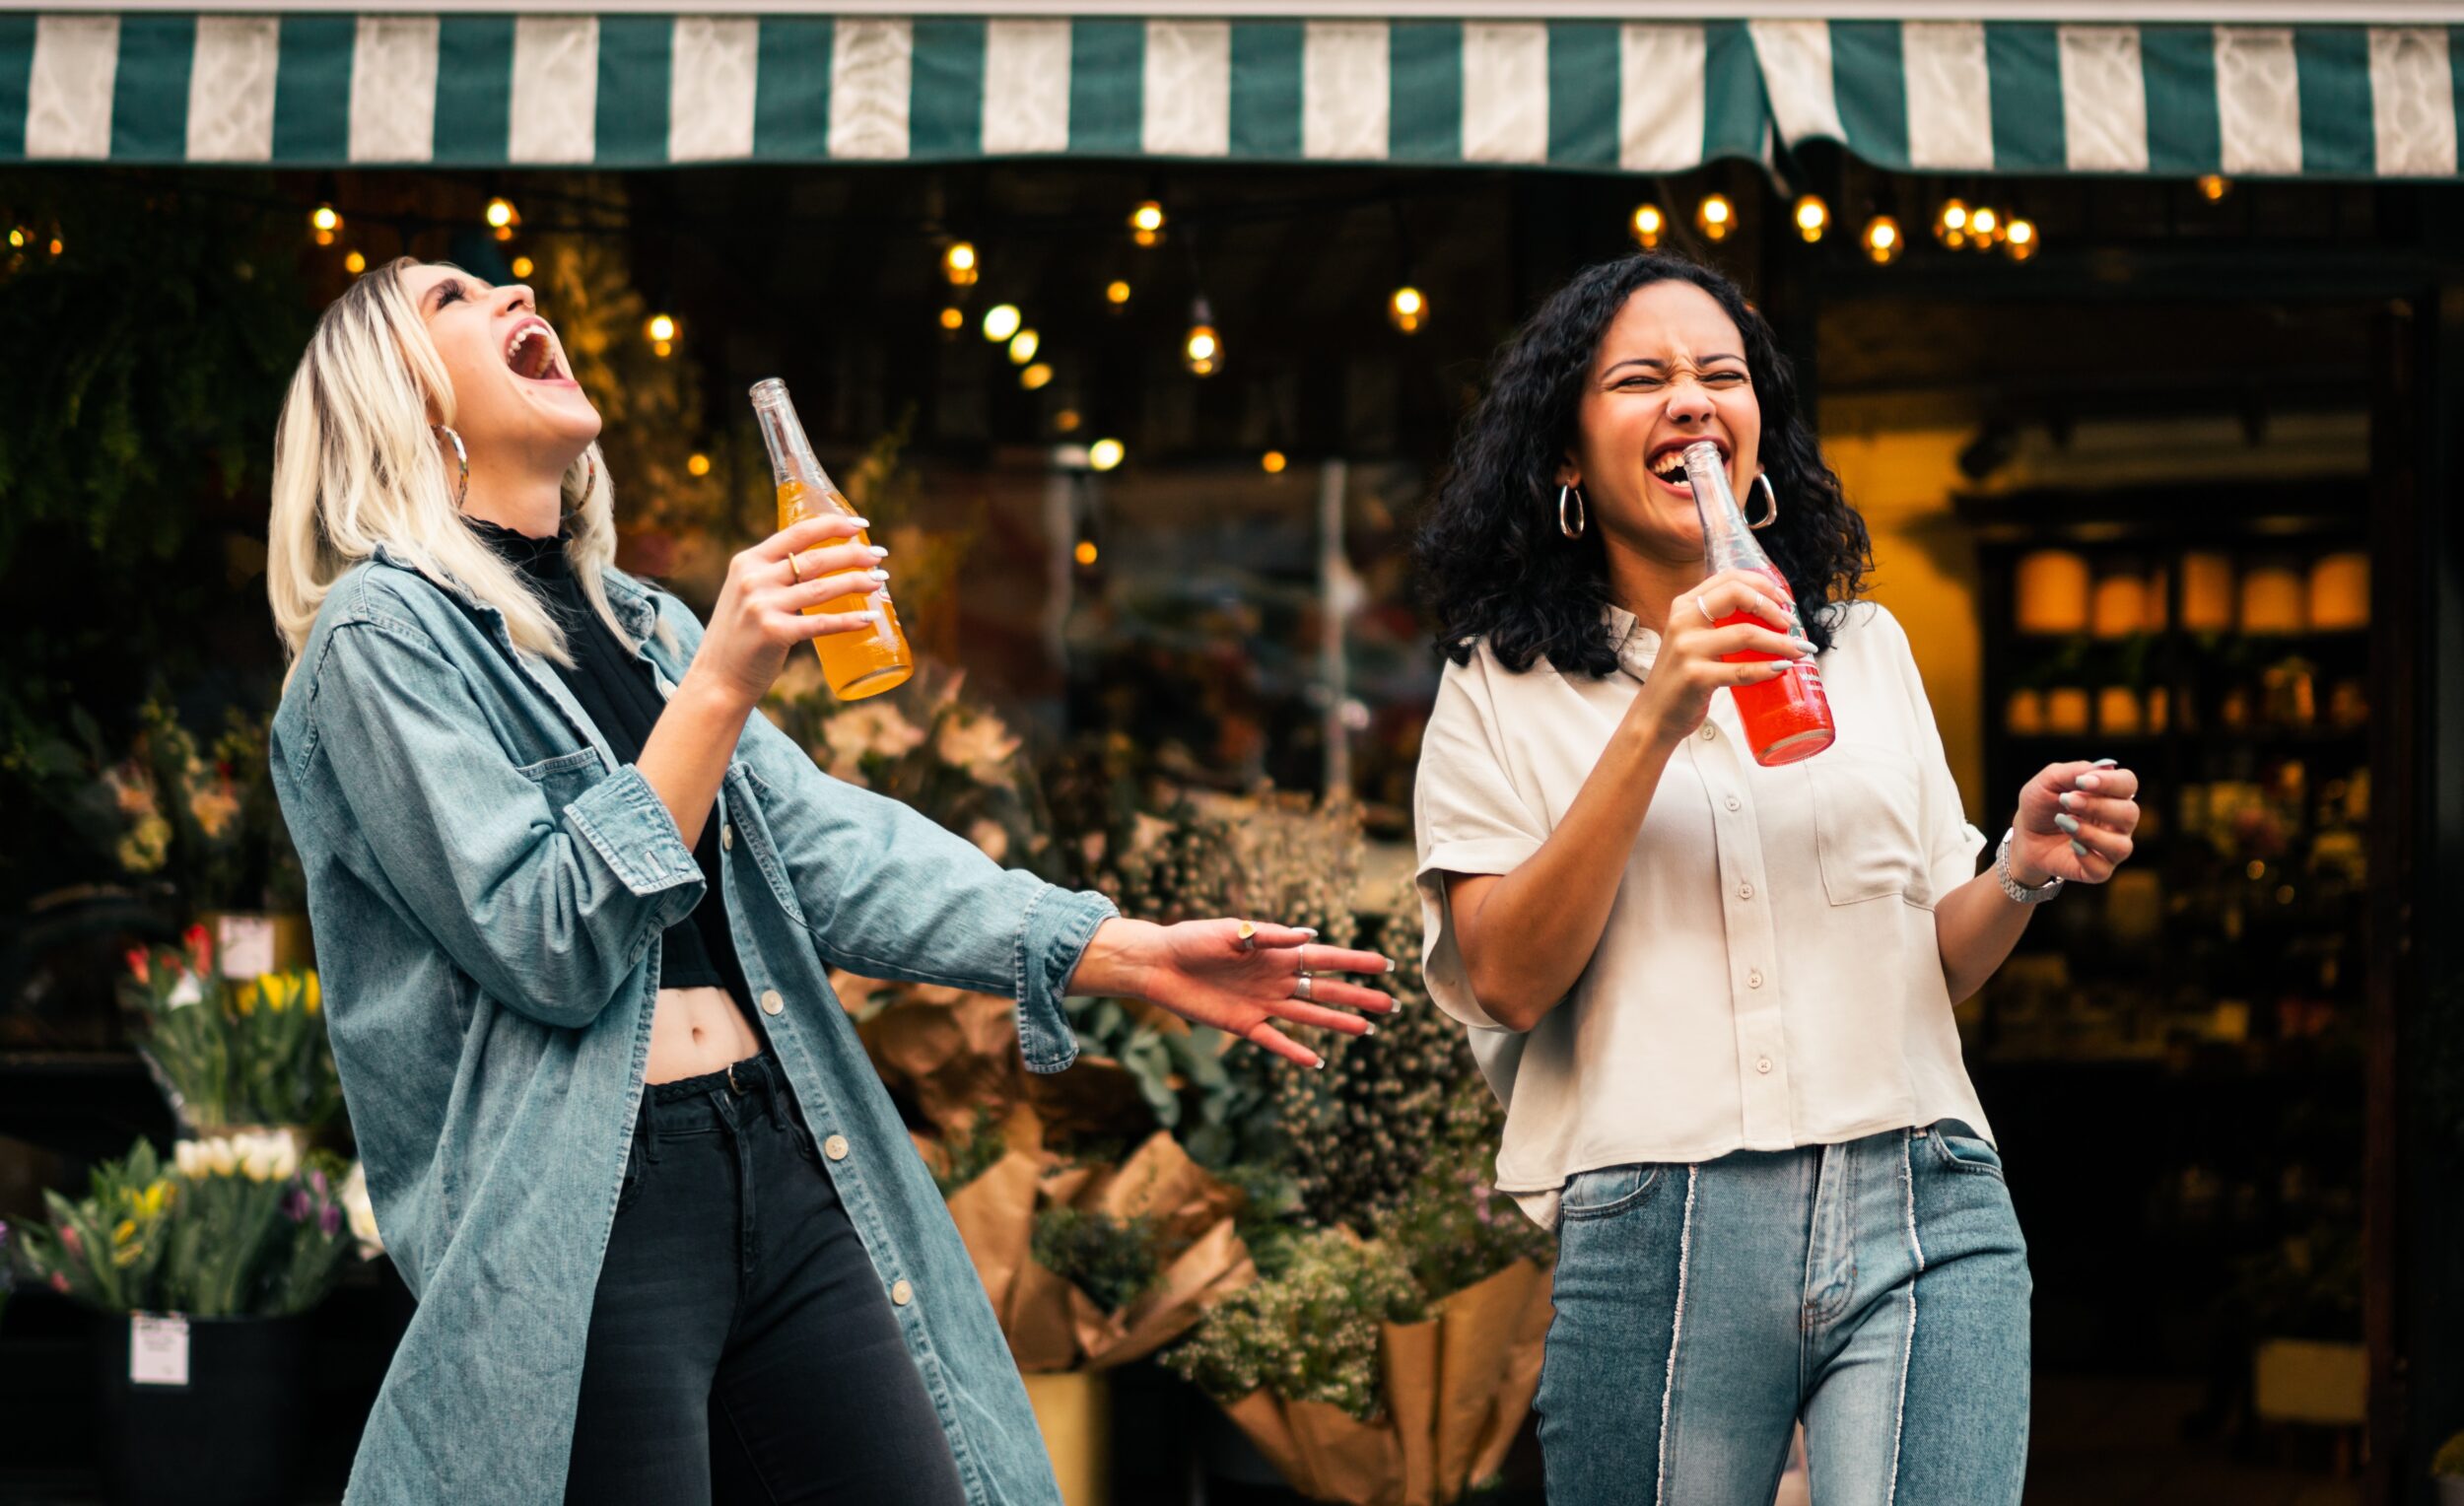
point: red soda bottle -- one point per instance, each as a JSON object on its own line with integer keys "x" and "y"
{"x": 1789, "y": 717}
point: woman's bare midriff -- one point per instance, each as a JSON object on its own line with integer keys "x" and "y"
{"x": 695, "y": 1031}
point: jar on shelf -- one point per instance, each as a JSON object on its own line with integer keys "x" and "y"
{"x": 2066, "y": 709}
{"x": 2207, "y": 591}
{"x": 2024, "y": 713}
{"x": 2273, "y": 600}
{"x": 2340, "y": 591}
{"x": 2052, "y": 593}
{"x": 2118, "y": 607}
{"x": 2118, "y": 711}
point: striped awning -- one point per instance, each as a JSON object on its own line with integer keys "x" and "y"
{"x": 636, "y": 90}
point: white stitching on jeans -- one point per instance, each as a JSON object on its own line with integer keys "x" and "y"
{"x": 1907, "y": 1349}
{"x": 1677, "y": 1329}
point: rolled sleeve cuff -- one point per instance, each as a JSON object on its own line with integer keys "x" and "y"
{"x": 1955, "y": 864}
{"x": 1052, "y": 937}
{"x": 628, "y": 825}
{"x": 1443, "y": 972}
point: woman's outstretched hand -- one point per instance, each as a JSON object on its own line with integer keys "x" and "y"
{"x": 1237, "y": 976}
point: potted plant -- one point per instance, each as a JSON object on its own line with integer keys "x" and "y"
{"x": 2447, "y": 1468}
{"x": 201, "y": 1271}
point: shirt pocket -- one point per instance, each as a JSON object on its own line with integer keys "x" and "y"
{"x": 1865, "y": 822}
{"x": 564, "y": 778}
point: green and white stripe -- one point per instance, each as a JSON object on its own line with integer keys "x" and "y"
{"x": 641, "y": 90}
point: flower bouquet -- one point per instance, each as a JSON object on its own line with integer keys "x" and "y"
{"x": 1091, "y": 1267}
{"x": 232, "y": 1052}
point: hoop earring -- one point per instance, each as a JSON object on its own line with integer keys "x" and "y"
{"x": 1581, "y": 522}
{"x": 588, "y": 480}
{"x": 1770, "y": 497}
{"x": 461, "y": 458}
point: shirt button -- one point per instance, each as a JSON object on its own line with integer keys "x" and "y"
{"x": 835, "y": 1148}
{"x": 1763, "y": 1064}
{"x": 1753, "y": 980}
{"x": 727, "y": 837}
{"x": 1710, "y": 732}
{"x": 1745, "y": 891}
{"x": 900, "y": 1293}
{"x": 1734, "y": 803}
{"x": 772, "y": 1003}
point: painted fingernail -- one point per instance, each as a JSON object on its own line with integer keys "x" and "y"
{"x": 878, "y": 575}
{"x": 861, "y": 522}
{"x": 879, "y": 553}
{"x": 2105, "y": 763}
{"x": 1321, "y": 1063}
{"x": 1390, "y": 963}
{"x": 2068, "y": 823}
{"x": 2078, "y": 847}
{"x": 1372, "y": 1030}
{"x": 2064, "y": 799}
{"x": 1306, "y": 930}
{"x": 2086, "y": 782}
{"x": 1801, "y": 645}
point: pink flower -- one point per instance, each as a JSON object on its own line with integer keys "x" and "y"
{"x": 70, "y": 1242}
{"x": 140, "y": 964}
{"x": 59, "y": 1282}
{"x": 200, "y": 944}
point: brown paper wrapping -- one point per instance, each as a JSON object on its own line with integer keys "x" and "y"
{"x": 1051, "y": 1324}
{"x": 1458, "y": 1388}
{"x": 952, "y": 1057}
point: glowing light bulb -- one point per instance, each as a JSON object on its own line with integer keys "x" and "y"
{"x": 2020, "y": 240}
{"x": 1883, "y": 240}
{"x": 1116, "y": 292}
{"x": 1950, "y": 224}
{"x": 1813, "y": 217}
{"x": 324, "y": 220}
{"x": 355, "y": 264}
{"x": 1085, "y": 553}
{"x": 1000, "y": 321}
{"x": 1146, "y": 223}
{"x": 1035, "y": 378}
{"x": 1022, "y": 347}
{"x": 1649, "y": 225}
{"x": 1272, "y": 463}
{"x": 1985, "y": 227}
{"x": 958, "y": 264}
{"x": 953, "y": 317}
{"x": 697, "y": 464}
{"x": 524, "y": 266}
{"x": 1408, "y": 308}
{"x": 503, "y": 218}
{"x": 661, "y": 328}
{"x": 1715, "y": 217}
{"x": 2214, "y": 187}
{"x": 1104, "y": 454}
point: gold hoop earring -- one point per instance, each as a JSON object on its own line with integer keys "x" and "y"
{"x": 1771, "y": 499}
{"x": 1581, "y": 520}
{"x": 461, "y": 458}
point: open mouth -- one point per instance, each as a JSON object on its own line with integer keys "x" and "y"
{"x": 531, "y": 355}
{"x": 1668, "y": 465}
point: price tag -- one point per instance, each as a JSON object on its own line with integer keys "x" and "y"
{"x": 157, "y": 1349}
{"x": 247, "y": 944}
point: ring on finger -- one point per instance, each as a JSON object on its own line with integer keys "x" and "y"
{"x": 794, "y": 572}
{"x": 1305, "y": 989}
{"x": 1706, "y": 611}
{"x": 1247, "y": 941}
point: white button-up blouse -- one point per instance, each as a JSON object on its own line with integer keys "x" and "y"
{"x": 1769, "y": 976}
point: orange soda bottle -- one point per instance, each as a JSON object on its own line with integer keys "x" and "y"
{"x": 1790, "y": 717}
{"x": 857, "y": 664}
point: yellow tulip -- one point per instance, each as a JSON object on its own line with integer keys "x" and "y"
{"x": 243, "y": 998}
{"x": 277, "y": 990}
{"x": 315, "y": 995}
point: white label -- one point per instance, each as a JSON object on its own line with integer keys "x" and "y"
{"x": 246, "y": 943}
{"x": 157, "y": 1349}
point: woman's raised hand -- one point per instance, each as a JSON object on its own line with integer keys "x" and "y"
{"x": 2074, "y": 823}
{"x": 1676, "y": 696}
{"x": 1238, "y": 975}
{"x": 760, "y": 613}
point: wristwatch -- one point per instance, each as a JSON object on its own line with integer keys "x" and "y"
{"x": 2011, "y": 886}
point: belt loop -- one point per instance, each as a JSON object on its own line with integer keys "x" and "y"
{"x": 733, "y": 1085}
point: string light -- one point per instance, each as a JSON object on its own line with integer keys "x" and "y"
{"x": 1883, "y": 240}
{"x": 953, "y": 318}
{"x": 1146, "y": 223}
{"x": 1035, "y": 378}
{"x": 17, "y": 238}
{"x": 524, "y": 266}
{"x": 1116, "y": 292}
{"x": 958, "y": 264}
{"x": 2019, "y": 238}
{"x": 503, "y": 218}
{"x": 1649, "y": 226}
{"x": 1202, "y": 350}
{"x": 1813, "y": 217}
{"x": 661, "y": 328}
{"x": 1985, "y": 227}
{"x": 1000, "y": 321}
{"x": 1272, "y": 463}
{"x": 1022, "y": 346}
{"x": 58, "y": 245}
{"x": 2214, "y": 187}
{"x": 697, "y": 464}
{"x": 1067, "y": 420}
{"x": 1715, "y": 217}
{"x": 355, "y": 264}
{"x": 1950, "y": 224}
{"x": 1104, "y": 454}
{"x": 325, "y": 221}
{"x": 1085, "y": 553}
{"x": 1408, "y": 309}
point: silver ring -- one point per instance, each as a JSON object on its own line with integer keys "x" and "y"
{"x": 1706, "y": 613}
{"x": 1305, "y": 989}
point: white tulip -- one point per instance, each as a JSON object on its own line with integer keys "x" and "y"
{"x": 222, "y": 1156}
{"x": 362, "y": 1213}
{"x": 190, "y": 1157}
{"x": 286, "y": 1148}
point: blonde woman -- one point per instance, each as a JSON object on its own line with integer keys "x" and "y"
{"x": 575, "y": 904}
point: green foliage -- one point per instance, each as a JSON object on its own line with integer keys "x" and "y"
{"x": 1113, "y": 1261}
{"x": 242, "y": 1227}
{"x": 1308, "y": 1334}
{"x": 1453, "y": 1225}
{"x": 971, "y": 1154}
{"x": 226, "y": 1054}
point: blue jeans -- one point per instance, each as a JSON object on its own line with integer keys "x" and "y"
{"x": 1876, "y": 1289}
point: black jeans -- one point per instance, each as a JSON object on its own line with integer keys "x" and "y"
{"x": 742, "y": 1348}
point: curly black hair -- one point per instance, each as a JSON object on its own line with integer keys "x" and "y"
{"x": 1497, "y": 505}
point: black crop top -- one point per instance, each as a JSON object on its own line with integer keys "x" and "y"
{"x": 619, "y": 693}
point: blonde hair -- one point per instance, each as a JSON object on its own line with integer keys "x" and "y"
{"x": 356, "y": 465}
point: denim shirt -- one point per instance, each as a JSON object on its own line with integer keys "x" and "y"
{"x": 487, "y": 888}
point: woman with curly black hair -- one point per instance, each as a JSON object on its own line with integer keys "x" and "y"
{"x": 1714, "y": 996}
